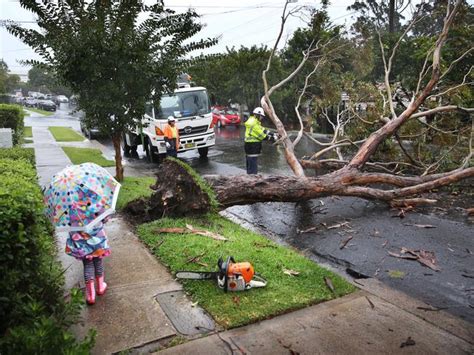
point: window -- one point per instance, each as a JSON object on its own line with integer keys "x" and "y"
{"x": 183, "y": 104}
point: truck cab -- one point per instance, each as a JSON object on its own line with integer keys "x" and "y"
{"x": 191, "y": 107}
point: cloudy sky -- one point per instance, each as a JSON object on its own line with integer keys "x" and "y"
{"x": 243, "y": 22}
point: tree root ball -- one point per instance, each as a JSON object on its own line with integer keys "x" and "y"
{"x": 177, "y": 194}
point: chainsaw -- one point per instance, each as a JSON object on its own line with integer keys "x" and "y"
{"x": 231, "y": 276}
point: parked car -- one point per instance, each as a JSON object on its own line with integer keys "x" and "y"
{"x": 30, "y": 102}
{"x": 62, "y": 99}
{"x": 225, "y": 116}
{"x": 46, "y": 105}
{"x": 89, "y": 132}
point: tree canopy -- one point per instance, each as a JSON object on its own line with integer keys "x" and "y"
{"x": 115, "y": 56}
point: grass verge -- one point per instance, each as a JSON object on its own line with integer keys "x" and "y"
{"x": 28, "y": 132}
{"x": 87, "y": 155}
{"x": 27, "y": 135}
{"x": 41, "y": 112}
{"x": 283, "y": 292}
{"x": 65, "y": 134}
{"x": 133, "y": 188}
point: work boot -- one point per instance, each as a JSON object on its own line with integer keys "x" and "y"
{"x": 90, "y": 292}
{"x": 101, "y": 285}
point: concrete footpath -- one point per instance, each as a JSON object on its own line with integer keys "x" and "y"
{"x": 144, "y": 309}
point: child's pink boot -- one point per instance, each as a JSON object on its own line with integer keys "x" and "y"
{"x": 101, "y": 285}
{"x": 90, "y": 292}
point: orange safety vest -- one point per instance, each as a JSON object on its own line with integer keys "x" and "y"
{"x": 168, "y": 132}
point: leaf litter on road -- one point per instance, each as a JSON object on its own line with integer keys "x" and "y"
{"x": 344, "y": 243}
{"x": 424, "y": 257}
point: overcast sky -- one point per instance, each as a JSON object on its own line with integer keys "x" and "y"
{"x": 243, "y": 22}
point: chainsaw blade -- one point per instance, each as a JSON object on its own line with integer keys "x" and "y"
{"x": 196, "y": 275}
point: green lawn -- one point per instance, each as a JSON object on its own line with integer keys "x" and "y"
{"x": 85, "y": 155}
{"x": 25, "y": 113}
{"x": 28, "y": 132}
{"x": 283, "y": 292}
{"x": 42, "y": 112}
{"x": 65, "y": 134}
{"x": 133, "y": 188}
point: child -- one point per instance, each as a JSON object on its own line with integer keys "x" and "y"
{"x": 90, "y": 248}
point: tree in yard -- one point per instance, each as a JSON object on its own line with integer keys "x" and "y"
{"x": 115, "y": 55}
{"x": 8, "y": 81}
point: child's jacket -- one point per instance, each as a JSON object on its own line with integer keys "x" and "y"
{"x": 83, "y": 245}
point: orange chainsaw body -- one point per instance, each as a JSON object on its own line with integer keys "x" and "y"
{"x": 244, "y": 269}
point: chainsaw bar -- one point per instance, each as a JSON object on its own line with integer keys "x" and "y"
{"x": 197, "y": 275}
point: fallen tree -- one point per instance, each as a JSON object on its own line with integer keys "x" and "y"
{"x": 178, "y": 191}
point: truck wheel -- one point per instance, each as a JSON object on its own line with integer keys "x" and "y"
{"x": 125, "y": 146}
{"x": 150, "y": 152}
{"x": 203, "y": 152}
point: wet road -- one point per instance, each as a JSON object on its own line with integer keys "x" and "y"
{"x": 319, "y": 228}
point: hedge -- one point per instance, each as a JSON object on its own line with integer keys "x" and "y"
{"x": 17, "y": 153}
{"x": 11, "y": 116}
{"x": 34, "y": 316}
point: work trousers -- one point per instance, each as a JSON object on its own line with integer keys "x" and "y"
{"x": 252, "y": 166}
{"x": 172, "y": 153}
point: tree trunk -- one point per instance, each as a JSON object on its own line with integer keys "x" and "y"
{"x": 178, "y": 193}
{"x": 116, "y": 138}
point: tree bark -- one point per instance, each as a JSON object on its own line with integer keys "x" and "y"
{"x": 116, "y": 139}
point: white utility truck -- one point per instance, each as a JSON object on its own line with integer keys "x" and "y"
{"x": 191, "y": 107}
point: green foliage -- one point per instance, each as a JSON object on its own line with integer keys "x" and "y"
{"x": 65, "y": 134}
{"x": 234, "y": 76}
{"x": 43, "y": 79}
{"x": 18, "y": 167}
{"x": 283, "y": 292}
{"x": 112, "y": 61}
{"x": 11, "y": 116}
{"x": 84, "y": 155}
{"x": 8, "y": 82}
{"x": 17, "y": 153}
{"x": 35, "y": 316}
{"x": 115, "y": 55}
{"x": 40, "y": 111}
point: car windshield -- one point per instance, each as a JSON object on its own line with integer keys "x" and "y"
{"x": 230, "y": 112}
{"x": 183, "y": 104}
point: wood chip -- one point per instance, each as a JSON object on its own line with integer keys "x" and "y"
{"x": 329, "y": 284}
{"x": 370, "y": 302}
{"x": 420, "y": 225}
{"x": 337, "y": 225}
{"x": 290, "y": 272}
{"x": 190, "y": 229}
{"x": 408, "y": 342}
{"x": 344, "y": 243}
{"x": 311, "y": 229}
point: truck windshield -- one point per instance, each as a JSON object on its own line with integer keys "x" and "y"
{"x": 183, "y": 104}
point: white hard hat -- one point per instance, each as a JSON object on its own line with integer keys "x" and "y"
{"x": 259, "y": 111}
{"x": 171, "y": 119}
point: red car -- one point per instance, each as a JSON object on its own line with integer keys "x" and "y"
{"x": 224, "y": 116}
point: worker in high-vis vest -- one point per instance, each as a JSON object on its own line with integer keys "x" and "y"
{"x": 255, "y": 133}
{"x": 171, "y": 133}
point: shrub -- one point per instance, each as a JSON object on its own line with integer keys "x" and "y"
{"x": 11, "y": 116}
{"x": 17, "y": 153}
{"x": 19, "y": 167}
{"x": 34, "y": 315}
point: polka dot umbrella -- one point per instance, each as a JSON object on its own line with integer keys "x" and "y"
{"x": 80, "y": 196}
